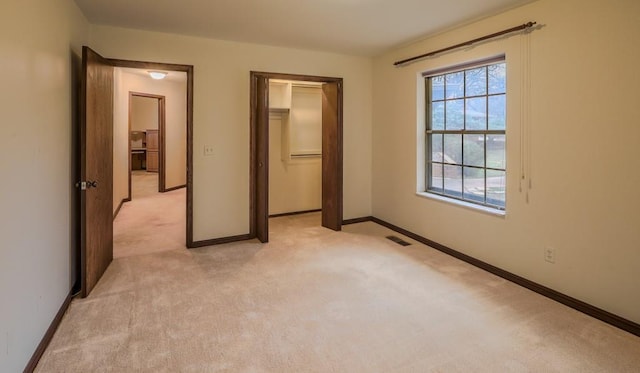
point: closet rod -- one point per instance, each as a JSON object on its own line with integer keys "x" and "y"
{"x": 466, "y": 43}
{"x": 306, "y": 155}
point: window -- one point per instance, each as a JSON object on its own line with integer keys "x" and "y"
{"x": 466, "y": 112}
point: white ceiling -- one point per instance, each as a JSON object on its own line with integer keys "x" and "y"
{"x": 358, "y": 27}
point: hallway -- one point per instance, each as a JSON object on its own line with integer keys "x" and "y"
{"x": 151, "y": 222}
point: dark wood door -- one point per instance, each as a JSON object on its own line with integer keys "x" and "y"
{"x": 332, "y": 156}
{"x": 262, "y": 159}
{"x": 96, "y": 148}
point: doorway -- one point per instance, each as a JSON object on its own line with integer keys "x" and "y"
{"x": 96, "y": 160}
{"x": 147, "y": 126}
{"x": 332, "y": 102}
{"x": 295, "y": 147}
{"x": 149, "y": 161}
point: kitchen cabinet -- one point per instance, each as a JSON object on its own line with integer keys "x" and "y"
{"x": 145, "y": 150}
{"x": 152, "y": 151}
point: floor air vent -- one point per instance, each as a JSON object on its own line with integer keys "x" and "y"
{"x": 398, "y": 240}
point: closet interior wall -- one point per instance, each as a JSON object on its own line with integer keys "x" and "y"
{"x": 295, "y": 147}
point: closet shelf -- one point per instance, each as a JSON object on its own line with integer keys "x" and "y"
{"x": 279, "y": 109}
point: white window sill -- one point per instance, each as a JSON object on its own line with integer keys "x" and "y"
{"x": 468, "y": 205}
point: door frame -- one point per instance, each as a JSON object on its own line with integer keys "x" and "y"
{"x": 162, "y": 123}
{"x": 188, "y": 69}
{"x": 332, "y": 164}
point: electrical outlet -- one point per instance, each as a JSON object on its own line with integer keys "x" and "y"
{"x": 550, "y": 254}
{"x": 208, "y": 150}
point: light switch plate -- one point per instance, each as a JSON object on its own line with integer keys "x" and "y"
{"x": 550, "y": 254}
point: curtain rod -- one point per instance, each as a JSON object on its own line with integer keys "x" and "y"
{"x": 466, "y": 43}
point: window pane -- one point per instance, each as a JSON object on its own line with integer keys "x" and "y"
{"x": 496, "y": 151}
{"x": 437, "y": 88}
{"x": 436, "y": 148}
{"x": 474, "y": 184}
{"x": 453, "y": 149}
{"x": 453, "y": 180}
{"x": 455, "y": 115}
{"x": 466, "y": 156}
{"x": 436, "y": 178}
{"x": 454, "y": 85}
{"x": 497, "y": 112}
{"x": 476, "y": 113}
{"x": 476, "y": 81}
{"x": 497, "y": 78}
{"x": 474, "y": 150}
{"x": 496, "y": 182}
{"x": 437, "y": 115}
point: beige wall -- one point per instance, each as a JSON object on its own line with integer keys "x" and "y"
{"x": 221, "y": 116}
{"x": 176, "y": 133}
{"x": 144, "y": 113}
{"x": 583, "y": 156}
{"x": 40, "y": 45}
{"x": 127, "y": 80}
{"x": 294, "y": 185}
{"x": 305, "y": 133}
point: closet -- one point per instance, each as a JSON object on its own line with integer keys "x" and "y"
{"x": 295, "y": 146}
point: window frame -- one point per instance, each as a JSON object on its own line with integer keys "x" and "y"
{"x": 429, "y": 189}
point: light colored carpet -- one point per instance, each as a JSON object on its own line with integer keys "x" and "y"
{"x": 314, "y": 300}
{"x": 151, "y": 222}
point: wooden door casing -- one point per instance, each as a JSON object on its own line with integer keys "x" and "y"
{"x": 332, "y": 168}
{"x": 262, "y": 159}
{"x": 332, "y": 156}
{"x": 158, "y": 160}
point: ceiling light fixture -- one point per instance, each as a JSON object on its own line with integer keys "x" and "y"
{"x": 157, "y": 75}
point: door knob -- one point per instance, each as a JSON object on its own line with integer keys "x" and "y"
{"x": 84, "y": 185}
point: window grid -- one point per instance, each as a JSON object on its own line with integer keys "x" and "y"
{"x": 462, "y": 165}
